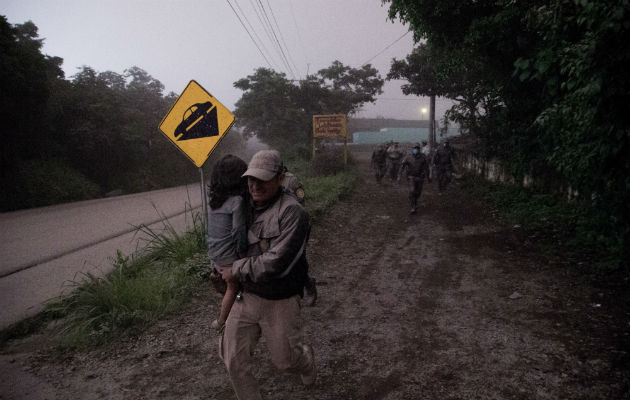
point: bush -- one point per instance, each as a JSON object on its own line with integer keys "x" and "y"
{"x": 322, "y": 192}
{"x": 43, "y": 183}
{"x": 328, "y": 161}
{"x": 135, "y": 293}
{"x": 140, "y": 289}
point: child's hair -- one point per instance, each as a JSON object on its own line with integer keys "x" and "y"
{"x": 227, "y": 180}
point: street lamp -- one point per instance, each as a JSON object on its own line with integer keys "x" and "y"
{"x": 423, "y": 111}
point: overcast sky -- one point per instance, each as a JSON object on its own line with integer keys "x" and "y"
{"x": 179, "y": 40}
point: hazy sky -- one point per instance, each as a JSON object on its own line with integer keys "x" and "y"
{"x": 179, "y": 40}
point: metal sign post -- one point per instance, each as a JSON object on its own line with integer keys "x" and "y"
{"x": 204, "y": 204}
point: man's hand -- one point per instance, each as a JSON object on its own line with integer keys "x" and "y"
{"x": 226, "y": 272}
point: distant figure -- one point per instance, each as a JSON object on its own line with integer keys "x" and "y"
{"x": 426, "y": 150}
{"x": 394, "y": 158}
{"x": 417, "y": 168}
{"x": 443, "y": 162}
{"x": 379, "y": 162}
{"x": 227, "y": 224}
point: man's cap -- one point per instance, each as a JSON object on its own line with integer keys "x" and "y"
{"x": 424, "y": 142}
{"x": 416, "y": 145}
{"x": 264, "y": 165}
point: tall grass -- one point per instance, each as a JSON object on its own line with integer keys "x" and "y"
{"x": 323, "y": 192}
{"x": 140, "y": 288}
{"x": 168, "y": 246}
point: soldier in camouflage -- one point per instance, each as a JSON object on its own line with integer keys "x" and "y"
{"x": 417, "y": 168}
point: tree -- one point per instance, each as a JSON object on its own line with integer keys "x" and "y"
{"x": 553, "y": 93}
{"x": 347, "y": 89}
{"x": 26, "y": 77}
{"x": 267, "y": 107}
{"x": 278, "y": 111}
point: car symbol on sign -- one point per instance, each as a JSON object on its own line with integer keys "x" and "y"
{"x": 198, "y": 121}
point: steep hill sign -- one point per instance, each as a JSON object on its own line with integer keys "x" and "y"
{"x": 196, "y": 123}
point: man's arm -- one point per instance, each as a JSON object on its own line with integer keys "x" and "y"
{"x": 283, "y": 250}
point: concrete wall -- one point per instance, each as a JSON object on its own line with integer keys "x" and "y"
{"x": 493, "y": 170}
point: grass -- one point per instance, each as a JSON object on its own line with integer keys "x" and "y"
{"x": 140, "y": 289}
{"x": 323, "y": 192}
{"x": 156, "y": 280}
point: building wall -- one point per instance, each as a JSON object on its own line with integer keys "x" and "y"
{"x": 402, "y": 135}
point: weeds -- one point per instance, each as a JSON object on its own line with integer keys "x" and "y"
{"x": 140, "y": 288}
{"x": 170, "y": 247}
{"x": 324, "y": 191}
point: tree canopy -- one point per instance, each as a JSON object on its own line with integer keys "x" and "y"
{"x": 543, "y": 85}
{"x": 278, "y": 110}
{"x": 79, "y": 138}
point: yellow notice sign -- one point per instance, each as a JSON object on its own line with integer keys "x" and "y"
{"x": 196, "y": 123}
{"x": 329, "y": 125}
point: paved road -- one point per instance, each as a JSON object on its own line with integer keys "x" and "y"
{"x": 43, "y": 249}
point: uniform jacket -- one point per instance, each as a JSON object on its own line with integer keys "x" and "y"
{"x": 416, "y": 165}
{"x": 444, "y": 157}
{"x": 394, "y": 152}
{"x": 379, "y": 157}
{"x": 275, "y": 266}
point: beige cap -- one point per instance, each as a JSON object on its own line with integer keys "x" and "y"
{"x": 264, "y": 165}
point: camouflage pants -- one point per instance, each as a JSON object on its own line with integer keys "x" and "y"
{"x": 443, "y": 177}
{"x": 393, "y": 168}
{"x": 379, "y": 171}
{"x": 414, "y": 187}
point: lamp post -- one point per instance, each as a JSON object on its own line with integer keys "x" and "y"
{"x": 423, "y": 112}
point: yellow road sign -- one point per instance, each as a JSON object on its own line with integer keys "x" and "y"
{"x": 196, "y": 123}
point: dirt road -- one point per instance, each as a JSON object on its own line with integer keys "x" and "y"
{"x": 445, "y": 304}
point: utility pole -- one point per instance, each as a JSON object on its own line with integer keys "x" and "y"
{"x": 432, "y": 138}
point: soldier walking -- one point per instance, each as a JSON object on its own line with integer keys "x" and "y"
{"x": 379, "y": 162}
{"x": 443, "y": 162}
{"x": 417, "y": 168}
{"x": 394, "y": 157}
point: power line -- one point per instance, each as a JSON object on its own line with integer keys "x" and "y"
{"x": 396, "y": 99}
{"x": 283, "y": 56}
{"x": 390, "y": 45}
{"x": 251, "y": 27}
{"x": 299, "y": 36}
{"x": 268, "y": 29}
{"x": 258, "y": 13}
{"x": 281, "y": 35}
{"x": 250, "y": 35}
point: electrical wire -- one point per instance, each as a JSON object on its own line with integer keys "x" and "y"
{"x": 282, "y": 54}
{"x": 281, "y": 35}
{"x": 250, "y": 35}
{"x": 252, "y": 28}
{"x": 382, "y": 51}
